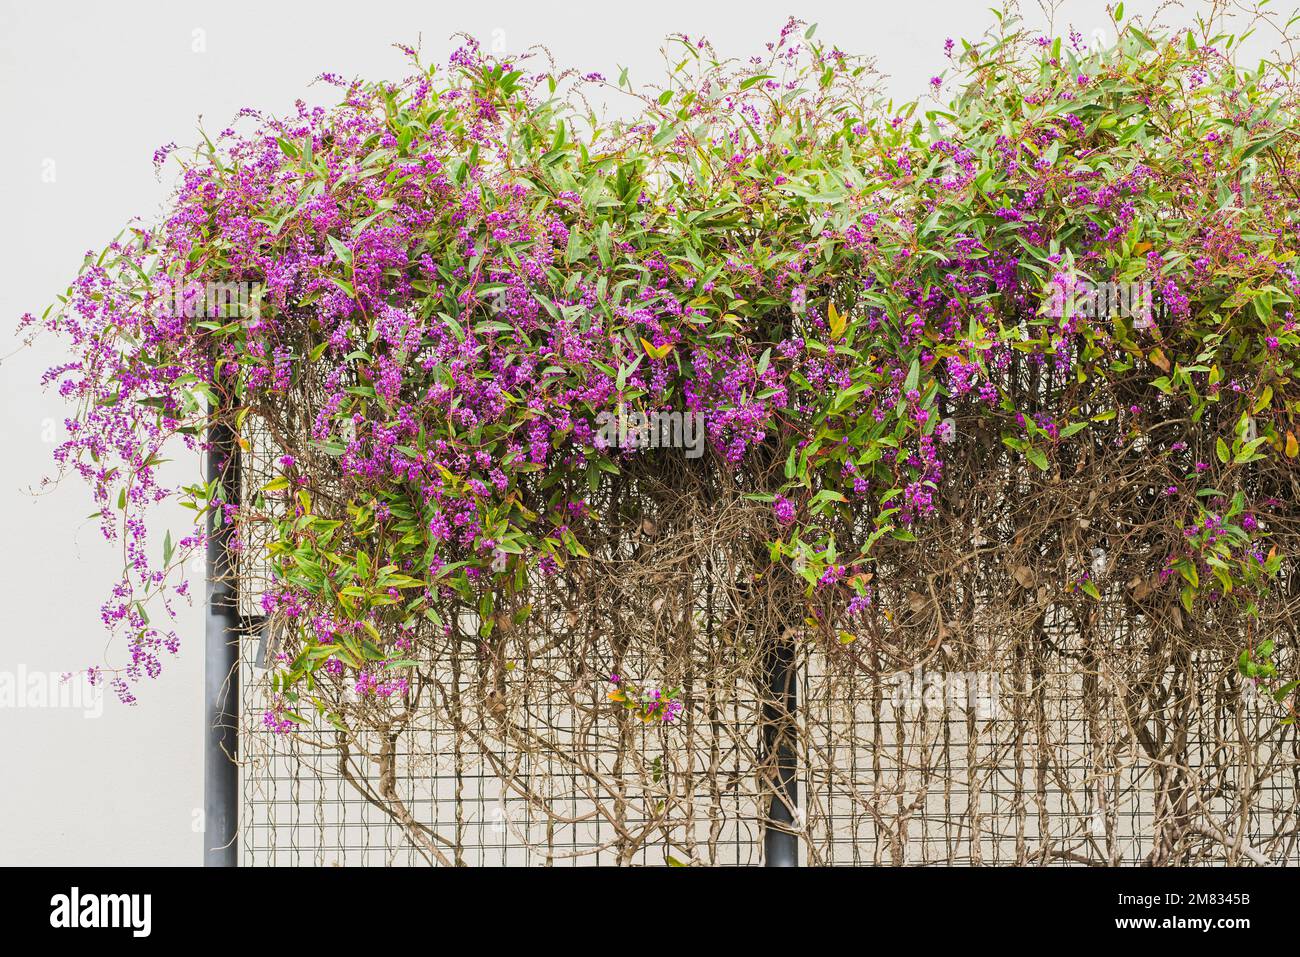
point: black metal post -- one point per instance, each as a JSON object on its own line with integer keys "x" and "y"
{"x": 780, "y": 843}
{"x": 221, "y": 665}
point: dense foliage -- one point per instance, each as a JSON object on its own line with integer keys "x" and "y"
{"x": 456, "y": 275}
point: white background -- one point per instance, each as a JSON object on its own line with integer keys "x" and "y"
{"x": 96, "y": 88}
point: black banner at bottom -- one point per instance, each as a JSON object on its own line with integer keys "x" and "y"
{"x": 138, "y": 905}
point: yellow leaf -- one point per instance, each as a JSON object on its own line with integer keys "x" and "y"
{"x": 1292, "y": 447}
{"x": 838, "y": 322}
{"x": 657, "y": 352}
{"x": 1264, "y": 399}
{"x": 617, "y": 696}
{"x": 1157, "y": 357}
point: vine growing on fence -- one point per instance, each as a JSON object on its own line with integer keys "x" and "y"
{"x": 434, "y": 295}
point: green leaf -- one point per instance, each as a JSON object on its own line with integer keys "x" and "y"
{"x": 342, "y": 252}
{"x": 1265, "y": 398}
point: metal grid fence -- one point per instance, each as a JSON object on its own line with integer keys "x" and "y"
{"x": 1053, "y": 759}
{"x": 882, "y": 781}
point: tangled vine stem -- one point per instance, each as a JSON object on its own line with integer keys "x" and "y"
{"x": 561, "y": 431}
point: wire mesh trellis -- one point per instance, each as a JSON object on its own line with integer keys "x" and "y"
{"x": 1044, "y": 781}
{"x": 1027, "y": 767}
{"x": 1030, "y": 733}
{"x": 300, "y": 808}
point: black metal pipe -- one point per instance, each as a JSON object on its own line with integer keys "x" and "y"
{"x": 221, "y": 663}
{"x": 780, "y": 843}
